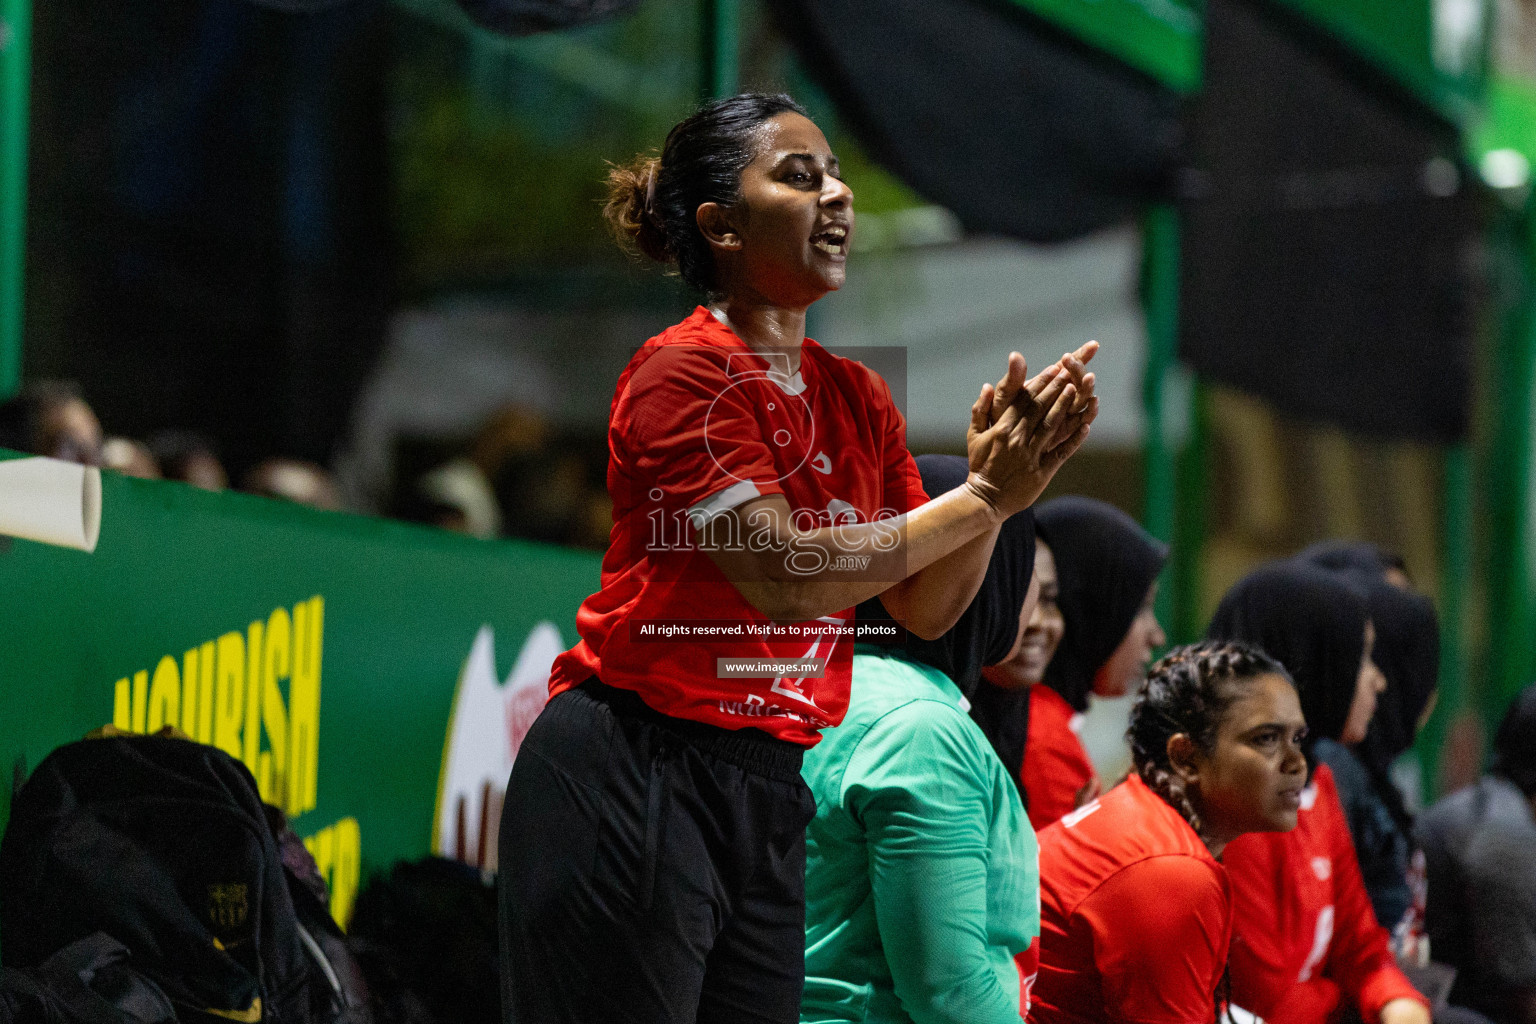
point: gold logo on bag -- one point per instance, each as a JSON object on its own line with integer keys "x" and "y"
{"x": 227, "y": 906}
{"x": 251, "y": 1015}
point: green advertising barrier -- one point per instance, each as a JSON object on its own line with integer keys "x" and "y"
{"x": 375, "y": 676}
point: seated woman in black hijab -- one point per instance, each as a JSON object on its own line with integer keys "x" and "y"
{"x": 1106, "y": 576}
{"x": 1408, "y": 651}
{"x": 922, "y": 877}
{"x": 1306, "y": 946}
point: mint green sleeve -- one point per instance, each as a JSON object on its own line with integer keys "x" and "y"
{"x": 918, "y": 784}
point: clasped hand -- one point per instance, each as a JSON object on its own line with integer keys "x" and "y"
{"x": 1021, "y": 431}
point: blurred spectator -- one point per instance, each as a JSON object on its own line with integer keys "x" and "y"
{"x": 597, "y": 521}
{"x": 130, "y": 458}
{"x": 455, "y": 496}
{"x": 511, "y": 435}
{"x": 519, "y": 474}
{"x": 49, "y": 417}
{"x": 1479, "y": 844}
{"x": 293, "y": 480}
{"x": 426, "y": 935}
{"x": 190, "y": 458}
{"x": 543, "y": 481}
{"x": 551, "y": 498}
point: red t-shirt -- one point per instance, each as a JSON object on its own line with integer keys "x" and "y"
{"x": 1305, "y": 937}
{"x": 701, "y": 424}
{"x": 1135, "y": 915}
{"x": 1055, "y": 766}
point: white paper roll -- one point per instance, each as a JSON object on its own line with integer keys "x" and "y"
{"x": 50, "y": 501}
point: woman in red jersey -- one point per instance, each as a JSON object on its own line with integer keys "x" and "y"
{"x": 1104, "y": 567}
{"x": 652, "y": 845}
{"x": 1306, "y": 942}
{"x": 1135, "y": 910}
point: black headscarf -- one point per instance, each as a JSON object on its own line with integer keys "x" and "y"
{"x": 1407, "y": 643}
{"x": 1312, "y": 621}
{"x": 1352, "y": 556}
{"x": 1003, "y": 716}
{"x": 1407, "y": 652}
{"x": 1514, "y": 745}
{"x": 1105, "y": 564}
{"x": 985, "y": 631}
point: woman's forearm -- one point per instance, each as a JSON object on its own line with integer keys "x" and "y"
{"x": 795, "y": 575}
{"x": 932, "y": 600}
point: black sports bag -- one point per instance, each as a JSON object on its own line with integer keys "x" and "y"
{"x": 86, "y": 982}
{"x": 162, "y": 844}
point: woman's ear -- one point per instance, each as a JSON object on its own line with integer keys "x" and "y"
{"x": 715, "y": 225}
{"x": 1184, "y": 757}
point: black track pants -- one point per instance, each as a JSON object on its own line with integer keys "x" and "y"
{"x": 651, "y": 870}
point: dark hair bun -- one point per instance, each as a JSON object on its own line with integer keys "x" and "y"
{"x": 653, "y": 202}
{"x": 630, "y": 210}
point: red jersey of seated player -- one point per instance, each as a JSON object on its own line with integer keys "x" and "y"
{"x": 1306, "y": 945}
{"x": 1056, "y": 765}
{"x": 701, "y": 424}
{"x": 1135, "y": 916}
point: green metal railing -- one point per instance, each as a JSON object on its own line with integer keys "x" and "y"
{"x": 1510, "y": 133}
{"x": 1173, "y": 460}
{"x": 1512, "y": 562}
{"x": 15, "y": 77}
{"x": 1457, "y": 695}
{"x": 720, "y": 48}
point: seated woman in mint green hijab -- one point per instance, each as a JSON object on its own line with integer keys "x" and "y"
{"x": 921, "y": 876}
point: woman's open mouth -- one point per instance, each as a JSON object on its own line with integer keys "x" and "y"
{"x": 833, "y": 241}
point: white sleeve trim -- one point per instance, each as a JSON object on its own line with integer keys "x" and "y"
{"x": 738, "y": 493}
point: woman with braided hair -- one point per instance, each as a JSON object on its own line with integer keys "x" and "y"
{"x": 1306, "y": 945}
{"x": 1135, "y": 910}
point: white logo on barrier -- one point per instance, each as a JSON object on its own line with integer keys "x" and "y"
{"x": 490, "y": 719}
